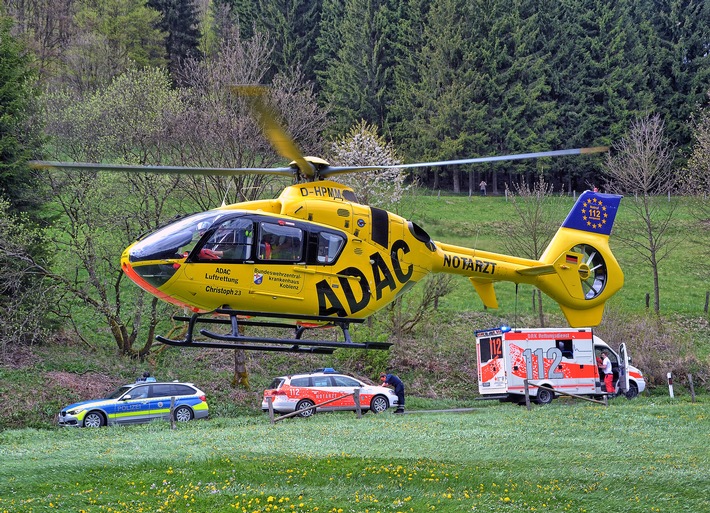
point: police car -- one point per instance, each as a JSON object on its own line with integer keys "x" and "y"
{"x": 301, "y": 391}
{"x": 138, "y": 402}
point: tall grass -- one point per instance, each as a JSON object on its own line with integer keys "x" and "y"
{"x": 647, "y": 455}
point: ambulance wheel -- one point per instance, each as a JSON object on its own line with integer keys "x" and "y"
{"x": 94, "y": 419}
{"x": 633, "y": 390}
{"x": 306, "y": 403}
{"x": 544, "y": 396}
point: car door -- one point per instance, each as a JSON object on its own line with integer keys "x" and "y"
{"x": 344, "y": 385}
{"x": 160, "y": 397}
{"x": 133, "y": 406}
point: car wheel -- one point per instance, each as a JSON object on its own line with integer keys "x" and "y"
{"x": 183, "y": 414}
{"x": 305, "y": 404}
{"x": 94, "y": 419}
{"x": 379, "y": 404}
{"x": 544, "y": 396}
{"x": 633, "y": 390}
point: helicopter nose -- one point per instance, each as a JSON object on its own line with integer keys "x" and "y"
{"x": 150, "y": 276}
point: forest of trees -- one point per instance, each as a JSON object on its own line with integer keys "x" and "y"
{"x": 148, "y": 82}
{"x": 455, "y": 78}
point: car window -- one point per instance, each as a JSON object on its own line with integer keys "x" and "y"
{"x": 276, "y": 383}
{"x": 118, "y": 392}
{"x": 321, "y": 381}
{"x": 139, "y": 393}
{"x": 344, "y": 381}
{"x": 162, "y": 391}
{"x": 299, "y": 382}
{"x": 179, "y": 390}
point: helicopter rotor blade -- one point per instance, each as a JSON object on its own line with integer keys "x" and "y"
{"x": 185, "y": 170}
{"x": 334, "y": 170}
{"x": 274, "y": 131}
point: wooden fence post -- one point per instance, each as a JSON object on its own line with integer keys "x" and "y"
{"x": 270, "y": 402}
{"x": 692, "y": 387}
{"x": 527, "y": 394}
{"x": 356, "y": 397}
{"x": 172, "y": 413}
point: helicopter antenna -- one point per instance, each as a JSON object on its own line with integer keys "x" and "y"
{"x": 515, "y": 309}
{"x": 224, "y": 200}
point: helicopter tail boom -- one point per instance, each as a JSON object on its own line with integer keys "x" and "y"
{"x": 577, "y": 269}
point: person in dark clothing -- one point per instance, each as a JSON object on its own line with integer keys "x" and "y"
{"x": 396, "y": 383}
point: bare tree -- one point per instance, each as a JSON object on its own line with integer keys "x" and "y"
{"x": 24, "y": 295}
{"x": 640, "y": 167}
{"x": 534, "y": 226}
{"x": 99, "y": 214}
{"x": 696, "y": 181}
{"x": 218, "y": 129}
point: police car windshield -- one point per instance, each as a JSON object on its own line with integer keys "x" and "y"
{"x": 118, "y": 392}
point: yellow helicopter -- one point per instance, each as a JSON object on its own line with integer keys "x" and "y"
{"x": 316, "y": 257}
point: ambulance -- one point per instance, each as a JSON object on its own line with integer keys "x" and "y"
{"x": 562, "y": 359}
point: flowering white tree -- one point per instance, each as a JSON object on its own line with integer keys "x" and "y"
{"x": 362, "y": 146}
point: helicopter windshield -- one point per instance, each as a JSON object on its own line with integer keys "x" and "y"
{"x": 176, "y": 240}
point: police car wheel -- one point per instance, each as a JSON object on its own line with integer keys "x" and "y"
{"x": 379, "y": 404}
{"x": 183, "y": 414}
{"x": 633, "y": 391}
{"x": 544, "y": 396}
{"x": 305, "y": 404}
{"x": 94, "y": 419}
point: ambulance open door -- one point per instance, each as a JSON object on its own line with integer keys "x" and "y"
{"x": 624, "y": 362}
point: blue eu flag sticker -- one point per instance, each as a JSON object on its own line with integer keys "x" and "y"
{"x": 594, "y": 212}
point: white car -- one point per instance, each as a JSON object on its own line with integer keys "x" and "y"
{"x": 301, "y": 391}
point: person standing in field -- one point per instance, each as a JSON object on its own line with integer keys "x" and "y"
{"x": 608, "y": 373}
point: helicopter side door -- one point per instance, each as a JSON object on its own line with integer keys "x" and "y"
{"x": 280, "y": 256}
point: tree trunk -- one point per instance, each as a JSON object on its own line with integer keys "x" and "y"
{"x": 241, "y": 376}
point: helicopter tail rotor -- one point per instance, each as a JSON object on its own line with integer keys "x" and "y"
{"x": 582, "y": 262}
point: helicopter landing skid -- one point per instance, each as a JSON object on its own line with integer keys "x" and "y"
{"x": 236, "y": 340}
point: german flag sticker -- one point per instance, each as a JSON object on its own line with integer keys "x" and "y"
{"x": 572, "y": 259}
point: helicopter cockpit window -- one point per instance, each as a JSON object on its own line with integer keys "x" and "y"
{"x": 230, "y": 240}
{"x": 329, "y": 245}
{"x": 174, "y": 241}
{"x": 279, "y": 242}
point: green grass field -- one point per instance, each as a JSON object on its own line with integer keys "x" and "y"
{"x": 645, "y": 455}
{"x": 472, "y": 222}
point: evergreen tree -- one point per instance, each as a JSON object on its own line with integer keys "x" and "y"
{"x": 112, "y": 36}
{"x": 600, "y": 81}
{"x": 446, "y": 101}
{"x": 19, "y": 131}
{"x": 677, "y": 35}
{"x": 294, "y": 27}
{"x": 359, "y": 81}
{"x": 522, "y": 114}
{"x": 180, "y": 23}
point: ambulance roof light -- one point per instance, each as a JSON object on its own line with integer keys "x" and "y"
{"x": 505, "y": 329}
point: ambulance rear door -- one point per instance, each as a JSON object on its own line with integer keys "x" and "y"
{"x": 491, "y": 368}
